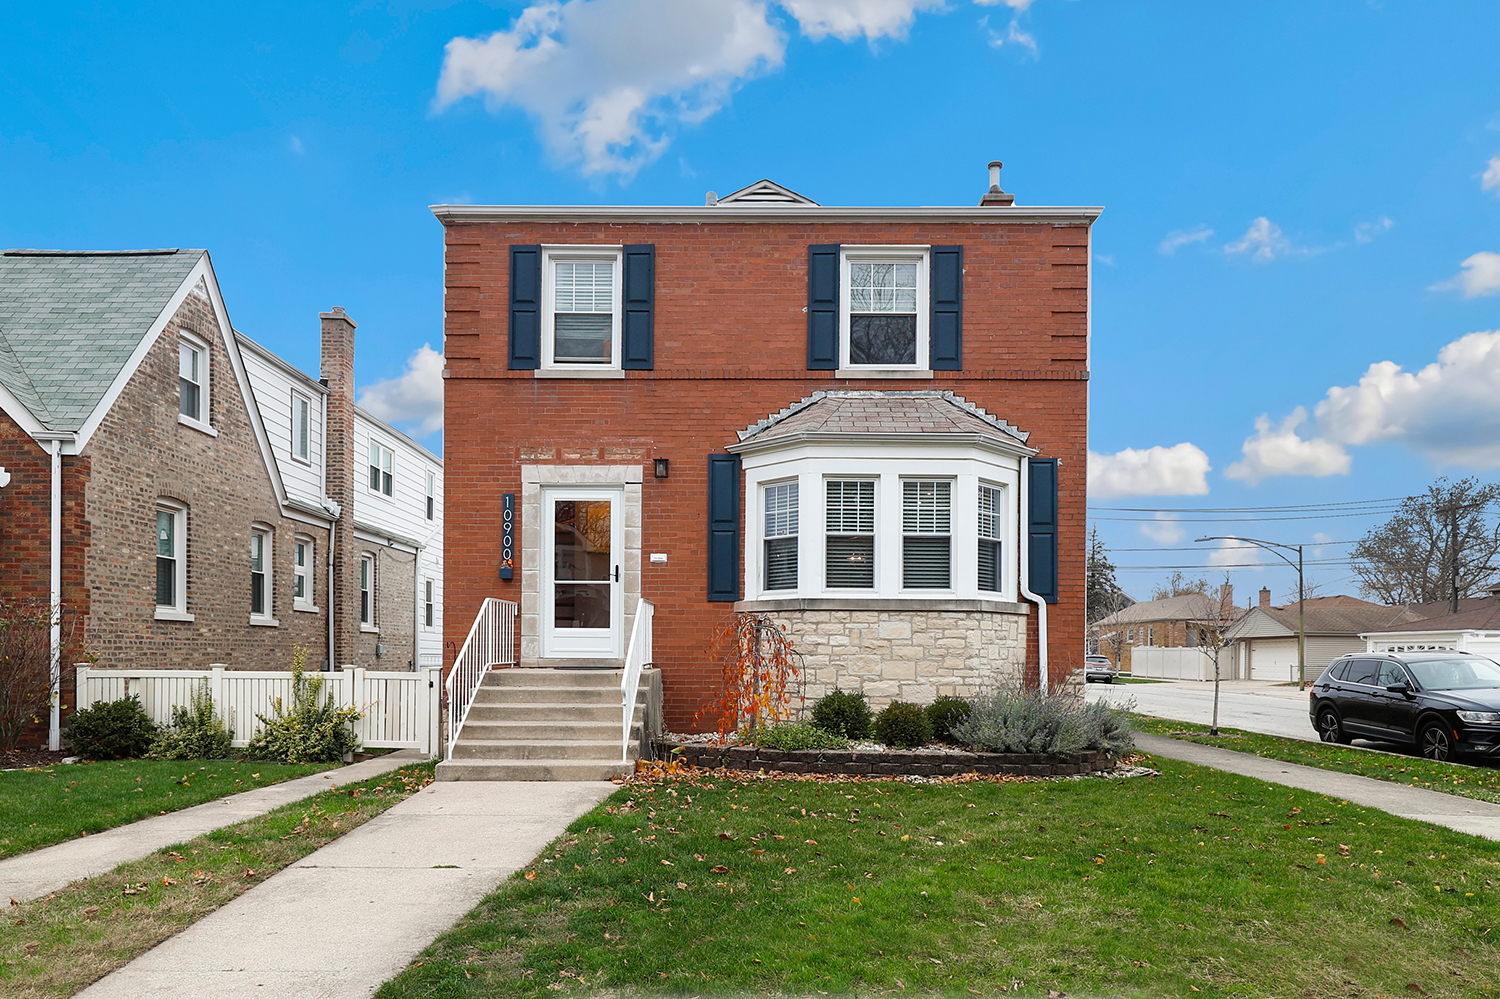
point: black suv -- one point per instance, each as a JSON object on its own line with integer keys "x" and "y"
{"x": 1444, "y": 703}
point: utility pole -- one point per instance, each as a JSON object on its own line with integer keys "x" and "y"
{"x": 1453, "y": 547}
{"x": 1271, "y": 547}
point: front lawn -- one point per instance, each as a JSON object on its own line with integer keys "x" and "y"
{"x": 56, "y": 945}
{"x": 1482, "y": 783}
{"x": 53, "y": 804}
{"x": 1190, "y": 883}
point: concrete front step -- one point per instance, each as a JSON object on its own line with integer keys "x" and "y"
{"x": 525, "y": 749}
{"x": 546, "y": 769}
{"x": 548, "y": 695}
{"x": 555, "y": 731}
{"x": 535, "y": 711}
{"x": 552, "y": 678}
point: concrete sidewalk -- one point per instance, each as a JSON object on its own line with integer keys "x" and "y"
{"x": 32, "y": 875}
{"x": 1466, "y": 815}
{"x": 353, "y": 914}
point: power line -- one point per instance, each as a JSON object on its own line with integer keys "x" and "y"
{"x": 1200, "y": 548}
{"x": 1249, "y": 520}
{"x": 1252, "y": 509}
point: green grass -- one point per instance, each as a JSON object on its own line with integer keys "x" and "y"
{"x": 1136, "y": 679}
{"x": 1481, "y": 783}
{"x": 1191, "y": 883}
{"x": 50, "y": 805}
{"x": 57, "y": 945}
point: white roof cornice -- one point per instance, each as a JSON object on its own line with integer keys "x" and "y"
{"x": 741, "y": 213}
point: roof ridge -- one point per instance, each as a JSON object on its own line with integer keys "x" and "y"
{"x": 166, "y": 252}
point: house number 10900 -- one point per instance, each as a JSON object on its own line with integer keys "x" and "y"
{"x": 507, "y": 535}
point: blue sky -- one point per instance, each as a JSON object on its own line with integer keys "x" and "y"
{"x": 1294, "y": 192}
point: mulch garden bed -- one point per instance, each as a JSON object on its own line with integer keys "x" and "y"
{"x": 882, "y": 763}
{"x": 20, "y": 759}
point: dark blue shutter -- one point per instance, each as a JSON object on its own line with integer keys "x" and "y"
{"x": 525, "y": 307}
{"x": 723, "y": 527}
{"x": 636, "y": 350}
{"x": 1042, "y": 529}
{"x": 946, "y": 349}
{"x": 822, "y": 308}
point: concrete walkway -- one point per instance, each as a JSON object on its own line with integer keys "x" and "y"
{"x": 32, "y": 875}
{"x": 1477, "y": 818}
{"x": 353, "y": 914}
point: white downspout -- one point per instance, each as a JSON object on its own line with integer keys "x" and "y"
{"x": 1024, "y": 506}
{"x": 54, "y": 733}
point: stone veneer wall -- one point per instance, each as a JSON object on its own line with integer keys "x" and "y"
{"x": 889, "y": 652}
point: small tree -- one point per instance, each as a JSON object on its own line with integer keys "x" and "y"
{"x": 1211, "y": 629}
{"x": 25, "y": 668}
{"x": 759, "y": 667}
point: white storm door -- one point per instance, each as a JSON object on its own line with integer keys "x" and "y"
{"x": 582, "y": 595}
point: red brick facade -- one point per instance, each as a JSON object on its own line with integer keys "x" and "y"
{"x": 730, "y": 349}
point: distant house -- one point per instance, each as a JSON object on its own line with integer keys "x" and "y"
{"x": 1265, "y": 638}
{"x": 1184, "y": 621}
{"x": 1475, "y": 628}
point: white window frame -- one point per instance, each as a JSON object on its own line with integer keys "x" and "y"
{"x": 430, "y": 505}
{"x": 369, "y": 619}
{"x": 301, "y": 444}
{"x": 766, "y": 538}
{"x": 177, "y": 610}
{"x": 876, "y": 546}
{"x": 201, "y": 422}
{"x": 551, "y": 257}
{"x": 306, "y": 573}
{"x": 266, "y": 618}
{"x": 922, "y": 257}
{"x": 1000, "y": 506}
{"x": 920, "y": 480}
{"x": 375, "y": 451}
{"x": 429, "y": 604}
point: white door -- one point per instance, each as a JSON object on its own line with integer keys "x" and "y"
{"x": 582, "y": 597}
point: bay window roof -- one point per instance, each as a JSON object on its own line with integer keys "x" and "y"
{"x": 926, "y": 416}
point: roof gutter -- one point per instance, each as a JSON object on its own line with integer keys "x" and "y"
{"x": 697, "y": 214}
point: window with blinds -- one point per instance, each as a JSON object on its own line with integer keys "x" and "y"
{"x": 926, "y": 528}
{"x": 583, "y": 312}
{"x": 781, "y": 536}
{"x": 850, "y": 534}
{"x": 991, "y": 509}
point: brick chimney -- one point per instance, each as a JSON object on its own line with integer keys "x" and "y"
{"x": 1265, "y": 597}
{"x": 342, "y": 464}
{"x": 995, "y": 197}
{"x": 1226, "y": 602}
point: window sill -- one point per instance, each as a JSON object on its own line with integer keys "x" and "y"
{"x": 173, "y": 614}
{"x": 578, "y": 373}
{"x": 198, "y": 425}
{"x": 301, "y": 460}
{"x": 771, "y": 605}
{"x": 882, "y": 373}
{"x": 259, "y": 621}
{"x": 365, "y": 629}
{"x": 305, "y": 609}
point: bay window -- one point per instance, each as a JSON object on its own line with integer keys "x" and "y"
{"x": 926, "y": 545}
{"x": 781, "y": 536}
{"x": 850, "y": 534}
{"x": 991, "y": 520}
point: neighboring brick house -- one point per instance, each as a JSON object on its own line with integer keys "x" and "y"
{"x": 867, "y": 423}
{"x": 147, "y": 498}
{"x": 1186, "y": 621}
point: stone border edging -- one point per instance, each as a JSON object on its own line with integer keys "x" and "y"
{"x": 884, "y": 763}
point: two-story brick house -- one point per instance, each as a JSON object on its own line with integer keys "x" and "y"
{"x": 867, "y": 423}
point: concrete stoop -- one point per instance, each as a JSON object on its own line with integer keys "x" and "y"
{"x": 548, "y": 724}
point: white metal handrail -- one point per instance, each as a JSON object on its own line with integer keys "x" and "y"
{"x": 637, "y": 658}
{"x": 491, "y": 642}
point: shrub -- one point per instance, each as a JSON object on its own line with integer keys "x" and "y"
{"x": 944, "y": 713}
{"x": 197, "y": 732}
{"x": 843, "y": 714}
{"x": 1025, "y": 721}
{"x": 312, "y": 730}
{"x": 796, "y": 735}
{"x": 112, "y": 730}
{"x": 902, "y": 725}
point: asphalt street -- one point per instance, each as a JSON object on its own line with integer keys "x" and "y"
{"x": 1252, "y": 705}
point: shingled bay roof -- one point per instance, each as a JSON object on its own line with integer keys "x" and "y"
{"x": 69, "y": 321}
{"x": 884, "y": 414}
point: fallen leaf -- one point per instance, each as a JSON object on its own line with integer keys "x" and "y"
{"x": 1398, "y": 921}
{"x": 719, "y": 869}
{"x": 790, "y": 870}
{"x": 91, "y": 912}
{"x": 31, "y": 947}
{"x": 724, "y": 835}
{"x": 531, "y": 875}
{"x": 1413, "y": 986}
{"x": 668, "y": 863}
{"x": 682, "y": 886}
{"x": 813, "y": 842}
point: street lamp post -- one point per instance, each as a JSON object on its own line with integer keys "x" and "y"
{"x": 1271, "y": 547}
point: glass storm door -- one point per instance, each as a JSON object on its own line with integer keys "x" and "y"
{"x": 581, "y": 563}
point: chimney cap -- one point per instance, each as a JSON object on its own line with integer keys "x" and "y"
{"x": 337, "y": 312}
{"x": 996, "y": 164}
{"x": 710, "y": 199}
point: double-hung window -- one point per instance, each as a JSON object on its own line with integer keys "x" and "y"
{"x": 381, "y": 464}
{"x": 991, "y": 513}
{"x": 431, "y": 495}
{"x": 581, "y": 313}
{"x": 367, "y": 591}
{"x": 781, "y": 536}
{"x": 260, "y": 576}
{"x": 171, "y": 561}
{"x": 302, "y": 574}
{"x": 849, "y": 534}
{"x": 301, "y": 426}
{"x": 884, "y": 310}
{"x": 427, "y": 613}
{"x": 926, "y": 529}
{"x": 192, "y": 380}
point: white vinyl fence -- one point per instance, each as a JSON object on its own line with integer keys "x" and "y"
{"x": 1159, "y": 662}
{"x": 400, "y": 709}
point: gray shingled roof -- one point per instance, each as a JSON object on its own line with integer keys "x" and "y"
{"x": 870, "y": 412}
{"x": 1183, "y": 607}
{"x": 70, "y": 320}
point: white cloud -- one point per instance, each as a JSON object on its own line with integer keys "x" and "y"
{"x": 1165, "y": 531}
{"x": 1480, "y": 276}
{"x": 608, "y": 80}
{"x": 847, "y": 20}
{"x": 1180, "y": 470}
{"x": 1178, "y": 238}
{"x": 1264, "y": 241}
{"x": 1232, "y": 552}
{"x": 1278, "y": 450}
{"x": 1491, "y": 179}
{"x": 1107, "y": 259}
{"x": 1366, "y": 232}
{"x": 295, "y": 145}
{"x": 414, "y": 396}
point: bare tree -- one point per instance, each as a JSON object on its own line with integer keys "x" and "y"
{"x": 1439, "y": 546}
{"x": 1220, "y": 614}
{"x": 1178, "y": 584}
{"x": 25, "y": 668}
{"x": 1310, "y": 588}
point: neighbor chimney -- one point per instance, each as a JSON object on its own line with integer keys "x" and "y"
{"x": 996, "y": 197}
{"x": 1226, "y": 601}
{"x": 340, "y": 463}
{"x": 1265, "y": 597}
{"x": 710, "y": 199}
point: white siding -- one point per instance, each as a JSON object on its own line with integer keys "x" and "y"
{"x": 273, "y": 385}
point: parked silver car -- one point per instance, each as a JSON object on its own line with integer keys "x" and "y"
{"x": 1098, "y": 668}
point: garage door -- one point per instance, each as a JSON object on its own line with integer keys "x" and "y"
{"x": 1273, "y": 659}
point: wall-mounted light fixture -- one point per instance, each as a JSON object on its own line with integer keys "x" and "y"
{"x": 5, "y": 477}
{"x": 662, "y": 465}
